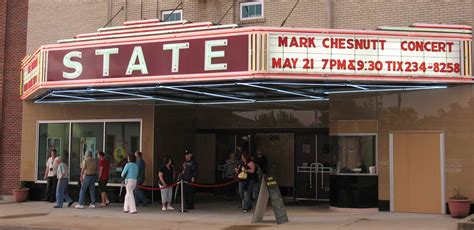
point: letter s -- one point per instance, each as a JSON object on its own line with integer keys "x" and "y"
{"x": 77, "y": 66}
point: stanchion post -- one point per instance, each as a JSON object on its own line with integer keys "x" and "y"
{"x": 182, "y": 195}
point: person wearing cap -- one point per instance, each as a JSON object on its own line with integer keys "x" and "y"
{"x": 190, "y": 173}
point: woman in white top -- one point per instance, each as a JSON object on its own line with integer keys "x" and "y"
{"x": 50, "y": 177}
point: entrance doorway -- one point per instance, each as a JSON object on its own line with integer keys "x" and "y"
{"x": 416, "y": 157}
{"x": 312, "y": 167}
{"x": 227, "y": 143}
{"x": 286, "y": 151}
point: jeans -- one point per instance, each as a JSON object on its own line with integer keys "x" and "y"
{"x": 129, "y": 203}
{"x": 188, "y": 194}
{"x": 61, "y": 192}
{"x": 256, "y": 188}
{"x": 140, "y": 196}
{"x": 89, "y": 182}
{"x": 51, "y": 188}
{"x": 245, "y": 191}
{"x": 166, "y": 195}
{"x": 230, "y": 190}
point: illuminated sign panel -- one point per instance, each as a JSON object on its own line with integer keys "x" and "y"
{"x": 30, "y": 73}
{"x": 149, "y": 59}
{"x": 364, "y": 55}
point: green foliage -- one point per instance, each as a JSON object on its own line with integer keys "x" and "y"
{"x": 457, "y": 194}
{"x": 23, "y": 184}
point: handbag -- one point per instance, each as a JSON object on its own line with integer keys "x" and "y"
{"x": 242, "y": 175}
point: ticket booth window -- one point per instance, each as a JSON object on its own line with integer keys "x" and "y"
{"x": 355, "y": 154}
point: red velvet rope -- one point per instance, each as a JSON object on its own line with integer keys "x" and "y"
{"x": 211, "y": 186}
{"x": 190, "y": 183}
{"x": 156, "y": 189}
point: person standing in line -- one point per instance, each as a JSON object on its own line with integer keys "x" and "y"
{"x": 50, "y": 177}
{"x": 104, "y": 171}
{"x": 166, "y": 177}
{"x": 190, "y": 173}
{"x": 140, "y": 196}
{"x": 63, "y": 182}
{"x": 261, "y": 164}
{"x": 130, "y": 175}
{"x": 88, "y": 177}
{"x": 229, "y": 175}
{"x": 261, "y": 161}
{"x": 247, "y": 178}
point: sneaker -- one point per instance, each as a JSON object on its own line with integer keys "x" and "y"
{"x": 70, "y": 204}
{"x": 125, "y": 211}
{"x": 164, "y": 208}
{"x": 91, "y": 206}
{"x": 57, "y": 206}
{"x": 79, "y": 206}
{"x": 170, "y": 208}
{"x": 245, "y": 211}
{"x": 132, "y": 212}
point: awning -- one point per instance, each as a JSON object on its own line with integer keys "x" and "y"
{"x": 214, "y": 93}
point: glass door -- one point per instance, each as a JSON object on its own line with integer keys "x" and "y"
{"x": 225, "y": 145}
{"x": 313, "y": 165}
{"x": 305, "y": 182}
{"x": 326, "y": 164}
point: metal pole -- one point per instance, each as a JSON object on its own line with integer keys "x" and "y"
{"x": 176, "y": 194}
{"x": 182, "y": 195}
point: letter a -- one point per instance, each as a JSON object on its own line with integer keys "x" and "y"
{"x": 141, "y": 66}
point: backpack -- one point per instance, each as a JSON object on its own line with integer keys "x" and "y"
{"x": 229, "y": 170}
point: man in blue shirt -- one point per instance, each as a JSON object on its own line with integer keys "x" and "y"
{"x": 140, "y": 196}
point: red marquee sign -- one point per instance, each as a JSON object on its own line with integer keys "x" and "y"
{"x": 191, "y": 56}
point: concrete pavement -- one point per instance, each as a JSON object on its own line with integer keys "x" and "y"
{"x": 209, "y": 214}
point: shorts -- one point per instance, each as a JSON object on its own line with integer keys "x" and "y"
{"x": 103, "y": 185}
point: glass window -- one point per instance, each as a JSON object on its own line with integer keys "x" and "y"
{"x": 85, "y": 137}
{"x": 251, "y": 10}
{"x": 355, "y": 154}
{"x": 169, "y": 15}
{"x": 52, "y": 136}
{"x": 120, "y": 138}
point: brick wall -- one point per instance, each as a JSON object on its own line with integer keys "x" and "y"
{"x": 369, "y": 14}
{"x": 50, "y": 20}
{"x": 13, "y": 23}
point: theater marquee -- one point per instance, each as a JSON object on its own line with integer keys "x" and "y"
{"x": 154, "y": 53}
{"x": 365, "y": 55}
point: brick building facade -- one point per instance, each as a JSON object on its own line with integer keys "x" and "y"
{"x": 69, "y": 18}
{"x": 13, "y": 22}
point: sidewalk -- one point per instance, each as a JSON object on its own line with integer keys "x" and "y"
{"x": 208, "y": 215}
